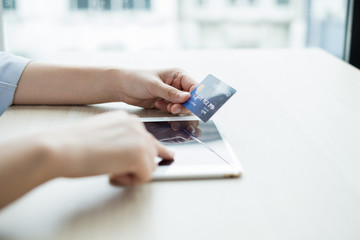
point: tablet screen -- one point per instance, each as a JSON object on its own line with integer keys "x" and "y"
{"x": 194, "y": 142}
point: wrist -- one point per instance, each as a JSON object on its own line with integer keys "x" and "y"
{"x": 46, "y": 153}
{"x": 114, "y": 83}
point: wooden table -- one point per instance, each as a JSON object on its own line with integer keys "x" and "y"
{"x": 294, "y": 124}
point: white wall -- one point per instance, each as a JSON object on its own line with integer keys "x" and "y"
{"x": 1, "y": 29}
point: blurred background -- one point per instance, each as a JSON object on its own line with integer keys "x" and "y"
{"x": 38, "y": 28}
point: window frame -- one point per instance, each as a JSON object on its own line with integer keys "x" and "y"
{"x": 352, "y": 43}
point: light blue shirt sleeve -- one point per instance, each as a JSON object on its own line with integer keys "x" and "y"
{"x": 11, "y": 68}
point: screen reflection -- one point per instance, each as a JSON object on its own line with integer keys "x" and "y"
{"x": 194, "y": 142}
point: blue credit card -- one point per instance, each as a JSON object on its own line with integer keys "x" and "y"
{"x": 207, "y": 98}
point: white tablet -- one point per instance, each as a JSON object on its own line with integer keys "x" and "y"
{"x": 200, "y": 150}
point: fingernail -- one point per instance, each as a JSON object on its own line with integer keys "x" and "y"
{"x": 183, "y": 94}
{"x": 177, "y": 110}
{"x": 191, "y": 129}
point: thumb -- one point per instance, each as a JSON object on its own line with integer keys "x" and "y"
{"x": 172, "y": 94}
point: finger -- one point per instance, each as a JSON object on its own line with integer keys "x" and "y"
{"x": 163, "y": 152}
{"x": 142, "y": 174}
{"x": 197, "y": 132}
{"x": 173, "y": 108}
{"x": 164, "y": 106}
{"x": 178, "y": 109}
{"x": 178, "y": 78}
{"x": 194, "y": 123}
{"x": 161, "y": 105}
{"x": 171, "y": 94}
{"x": 122, "y": 180}
{"x": 178, "y": 125}
{"x": 187, "y": 83}
{"x": 169, "y": 107}
{"x": 191, "y": 129}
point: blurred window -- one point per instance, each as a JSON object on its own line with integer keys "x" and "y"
{"x": 37, "y": 28}
{"x": 9, "y": 4}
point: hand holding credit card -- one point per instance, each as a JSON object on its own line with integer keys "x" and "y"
{"x": 207, "y": 98}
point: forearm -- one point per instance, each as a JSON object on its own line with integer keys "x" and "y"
{"x": 59, "y": 85}
{"x": 24, "y": 164}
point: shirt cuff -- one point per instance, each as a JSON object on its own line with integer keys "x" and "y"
{"x": 11, "y": 68}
